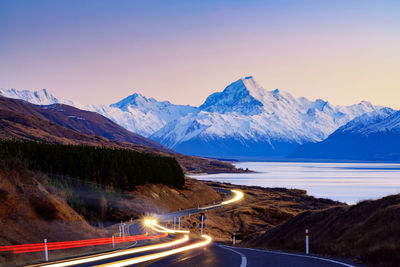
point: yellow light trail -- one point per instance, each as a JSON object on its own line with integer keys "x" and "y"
{"x": 154, "y": 225}
{"x": 239, "y": 196}
{"x": 120, "y": 253}
{"x": 160, "y": 254}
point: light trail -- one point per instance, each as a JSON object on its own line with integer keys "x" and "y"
{"x": 154, "y": 225}
{"x": 24, "y": 248}
{"x": 117, "y": 253}
{"x": 160, "y": 254}
{"x": 238, "y": 196}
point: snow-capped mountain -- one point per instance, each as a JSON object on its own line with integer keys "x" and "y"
{"x": 144, "y": 115}
{"x": 41, "y": 97}
{"x": 246, "y": 119}
{"x": 371, "y": 136}
{"x": 135, "y": 113}
{"x": 242, "y": 120}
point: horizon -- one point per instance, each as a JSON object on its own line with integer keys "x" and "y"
{"x": 178, "y": 51}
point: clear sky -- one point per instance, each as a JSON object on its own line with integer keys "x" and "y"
{"x": 102, "y": 51}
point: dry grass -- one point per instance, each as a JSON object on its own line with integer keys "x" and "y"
{"x": 368, "y": 232}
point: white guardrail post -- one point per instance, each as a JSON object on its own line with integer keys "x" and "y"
{"x": 46, "y": 254}
{"x": 113, "y": 242}
{"x": 307, "y": 249}
{"x": 234, "y": 238}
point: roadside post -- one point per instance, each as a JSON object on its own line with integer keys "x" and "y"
{"x": 113, "y": 241}
{"x": 179, "y": 223}
{"x": 174, "y": 222}
{"x": 307, "y": 250}
{"x": 202, "y": 218}
{"x": 234, "y": 238}
{"x": 46, "y": 254}
{"x": 123, "y": 230}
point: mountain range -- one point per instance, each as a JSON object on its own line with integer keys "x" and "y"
{"x": 372, "y": 136}
{"x": 243, "y": 120}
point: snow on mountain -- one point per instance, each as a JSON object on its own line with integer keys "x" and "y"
{"x": 372, "y": 122}
{"x": 41, "y": 97}
{"x": 144, "y": 115}
{"x": 245, "y": 113}
{"x": 243, "y": 119}
{"x": 371, "y": 136}
{"x": 136, "y": 113}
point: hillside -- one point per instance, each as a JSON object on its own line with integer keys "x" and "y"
{"x": 24, "y": 121}
{"x": 87, "y": 122}
{"x": 373, "y": 136}
{"x": 367, "y": 232}
{"x": 30, "y": 212}
{"x": 25, "y": 194}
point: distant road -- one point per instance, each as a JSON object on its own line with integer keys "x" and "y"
{"x": 171, "y": 215}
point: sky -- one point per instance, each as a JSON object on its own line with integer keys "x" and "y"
{"x": 98, "y": 52}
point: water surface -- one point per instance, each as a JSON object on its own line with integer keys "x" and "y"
{"x": 347, "y": 182}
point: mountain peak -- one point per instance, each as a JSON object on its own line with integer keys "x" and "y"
{"x": 236, "y": 97}
{"x": 131, "y": 100}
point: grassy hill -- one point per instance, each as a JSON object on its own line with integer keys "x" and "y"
{"x": 368, "y": 232}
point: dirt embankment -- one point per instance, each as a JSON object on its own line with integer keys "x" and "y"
{"x": 368, "y": 232}
{"x": 29, "y": 213}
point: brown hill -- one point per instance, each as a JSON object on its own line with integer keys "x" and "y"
{"x": 29, "y": 213}
{"x": 368, "y": 231}
{"x": 61, "y": 124}
{"x": 78, "y": 120}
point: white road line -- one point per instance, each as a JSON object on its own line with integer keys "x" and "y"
{"x": 299, "y": 255}
{"x": 244, "y": 259}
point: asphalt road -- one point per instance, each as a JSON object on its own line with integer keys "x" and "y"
{"x": 216, "y": 254}
{"x": 220, "y": 255}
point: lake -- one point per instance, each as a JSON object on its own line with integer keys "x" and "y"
{"x": 346, "y": 182}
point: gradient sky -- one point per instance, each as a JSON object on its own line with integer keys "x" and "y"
{"x": 182, "y": 51}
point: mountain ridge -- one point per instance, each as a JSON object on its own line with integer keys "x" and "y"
{"x": 244, "y": 118}
{"x": 372, "y": 136}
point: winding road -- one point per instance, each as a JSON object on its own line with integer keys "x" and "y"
{"x": 180, "y": 250}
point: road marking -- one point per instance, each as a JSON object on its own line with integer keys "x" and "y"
{"x": 244, "y": 259}
{"x": 299, "y": 255}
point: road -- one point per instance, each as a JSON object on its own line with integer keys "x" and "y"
{"x": 220, "y": 255}
{"x": 171, "y": 215}
{"x": 181, "y": 250}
